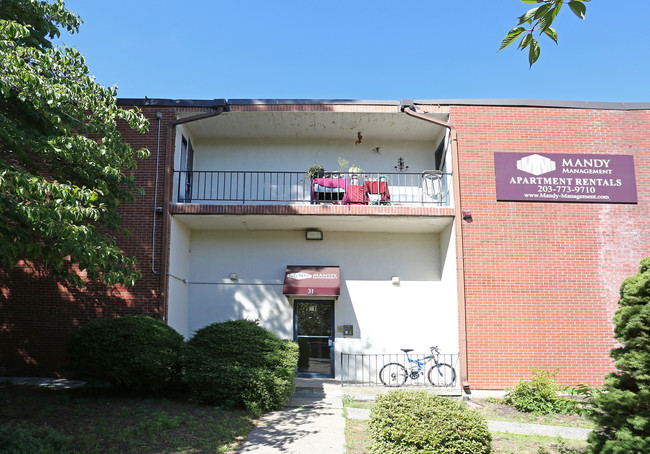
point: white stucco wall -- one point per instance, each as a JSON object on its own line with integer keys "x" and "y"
{"x": 299, "y": 155}
{"x": 421, "y": 311}
{"x": 179, "y": 270}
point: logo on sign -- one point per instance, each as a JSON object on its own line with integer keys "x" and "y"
{"x": 299, "y": 276}
{"x": 536, "y": 164}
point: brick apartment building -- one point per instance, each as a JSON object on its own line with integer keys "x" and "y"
{"x": 497, "y": 230}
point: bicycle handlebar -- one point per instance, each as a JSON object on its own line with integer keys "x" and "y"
{"x": 434, "y": 350}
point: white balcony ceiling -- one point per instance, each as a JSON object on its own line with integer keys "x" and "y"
{"x": 316, "y": 125}
{"x": 348, "y": 223}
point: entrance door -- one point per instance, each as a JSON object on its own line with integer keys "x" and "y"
{"x": 314, "y": 332}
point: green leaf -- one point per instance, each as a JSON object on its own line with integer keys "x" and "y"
{"x": 525, "y": 41}
{"x": 556, "y": 9}
{"x": 545, "y": 22}
{"x": 528, "y": 16}
{"x": 551, "y": 33}
{"x": 542, "y": 10}
{"x": 578, "y": 8}
{"x": 547, "y": 19}
{"x": 532, "y": 1}
{"x": 533, "y": 53}
{"x": 511, "y": 36}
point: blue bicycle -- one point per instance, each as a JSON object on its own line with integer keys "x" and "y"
{"x": 440, "y": 374}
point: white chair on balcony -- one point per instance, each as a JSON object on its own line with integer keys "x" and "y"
{"x": 432, "y": 186}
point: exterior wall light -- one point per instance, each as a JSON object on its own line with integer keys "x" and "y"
{"x": 395, "y": 280}
{"x": 234, "y": 277}
{"x": 313, "y": 234}
{"x": 401, "y": 165}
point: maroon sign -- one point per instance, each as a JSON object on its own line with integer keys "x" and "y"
{"x": 312, "y": 281}
{"x": 559, "y": 177}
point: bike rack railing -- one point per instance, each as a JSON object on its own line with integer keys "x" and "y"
{"x": 361, "y": 369}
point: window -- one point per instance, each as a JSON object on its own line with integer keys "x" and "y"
{"x": 185, "y": 174}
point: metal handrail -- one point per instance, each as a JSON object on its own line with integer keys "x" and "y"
{"x": 266, "y": 187}
{"x": 362, "y": 369}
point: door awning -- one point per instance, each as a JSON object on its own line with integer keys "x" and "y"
{"x": 312, "y": 281}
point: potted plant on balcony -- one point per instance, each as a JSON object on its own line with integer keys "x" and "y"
{"x": 353, "y": 172}
{"x": 315, "y": 171}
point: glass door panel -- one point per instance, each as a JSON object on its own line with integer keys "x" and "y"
{"x": 315, "y": 335}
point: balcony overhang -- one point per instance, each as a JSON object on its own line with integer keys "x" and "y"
{"x": 333, "y": 218}
{"x": 320, "y": 125}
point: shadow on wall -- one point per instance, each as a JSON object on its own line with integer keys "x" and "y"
{"x": 263, "y": 302}
{"x": 269, "y": 306}
{"x": 38, "y": 314}
{"x": 345, "y": 314}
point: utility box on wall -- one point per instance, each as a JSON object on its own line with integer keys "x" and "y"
{"x": 348, "y": 330}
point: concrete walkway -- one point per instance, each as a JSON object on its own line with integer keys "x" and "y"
{"x": 575, "y": 433}
{"x": 312, "y": 422}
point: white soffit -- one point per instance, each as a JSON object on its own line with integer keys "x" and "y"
{"x": 350, "y": 223}
{"x": 316, "y": 125}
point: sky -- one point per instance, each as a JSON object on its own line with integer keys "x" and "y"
{"x": 366, "y": 50}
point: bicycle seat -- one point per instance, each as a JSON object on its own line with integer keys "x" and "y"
{"x": 406, "y": 350}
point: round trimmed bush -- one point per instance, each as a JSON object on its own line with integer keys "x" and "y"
{"x": 134, "y": 353}
{"x": 238, "y": 363}
{"x": 420, "y": 422}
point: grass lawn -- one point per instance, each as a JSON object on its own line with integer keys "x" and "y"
{"x": 101, "y": 421}
{"x": 495, "y": 410}
{"x": 357, "y": 437}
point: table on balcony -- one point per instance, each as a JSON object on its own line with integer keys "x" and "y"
{"x": 356, "y": 194}
{"x": 329, "y": 189}
{"x": 377, "y": 191}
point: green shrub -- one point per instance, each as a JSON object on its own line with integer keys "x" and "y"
{"x": 539, "y": 395}
{"x": 22, "y": 439}
{"x": 420, "y": 422}
{"x": 238, "y": 363}
{"x": 580, "y": 397}
{"x": 134, "y": 352}
{"x": 621, "y": 411}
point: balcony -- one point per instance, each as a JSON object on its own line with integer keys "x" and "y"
{"x": 428, "y": 188}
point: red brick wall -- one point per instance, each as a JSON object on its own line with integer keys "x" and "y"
{"x": 542, "y": 278}
{"x": 37, "y": 313}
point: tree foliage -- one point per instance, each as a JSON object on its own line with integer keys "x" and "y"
{"x": 622, "y": 411}
{"x": 63, "y": 166}
{"x": 540, "y": 19}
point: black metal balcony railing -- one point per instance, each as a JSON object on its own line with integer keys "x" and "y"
{"x": 262, "y": 187}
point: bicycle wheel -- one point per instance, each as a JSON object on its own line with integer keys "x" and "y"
{"x": 442, "y": 375}
{"x": 393, "y": 374}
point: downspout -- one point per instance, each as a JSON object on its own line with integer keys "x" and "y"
{"x": 155, "y": 199}
{"x": 460, "y": 255}
{"x": 167, "y": 189}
